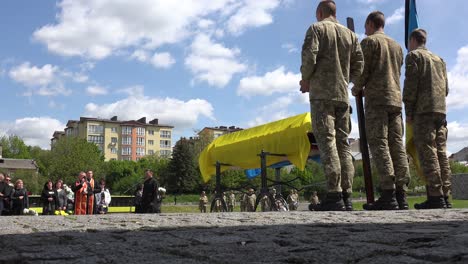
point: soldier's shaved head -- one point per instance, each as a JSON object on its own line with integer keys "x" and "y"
{"x": 327, "y": 8}
{"x": 419, "y": 35}
{"x": 377, "y": 18}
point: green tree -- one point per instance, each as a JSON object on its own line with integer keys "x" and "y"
{"x": 123, "y": 176}
{"x": 71, "y": 155}
{"x": 14, "y": 147}
{"x": 42, "y": 158}
{"x": 182, "y": 175}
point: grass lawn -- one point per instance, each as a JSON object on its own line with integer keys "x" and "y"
{"x": 167, "y": 208}
{"x": 413, "y": 200}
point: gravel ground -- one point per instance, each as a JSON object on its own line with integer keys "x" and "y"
{"x": 276, "y": 237}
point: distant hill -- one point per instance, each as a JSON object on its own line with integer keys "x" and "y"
{"x": 461, "y": 155}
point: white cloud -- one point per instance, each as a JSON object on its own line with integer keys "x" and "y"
{"x": 96, "y": 90}
{"x": 371, "y": 2}
{"x": 458, "y": 81}
{"x": 290, "y": 47}
{"x": 43, "y": 80}
{"x": 32, "y": 75}
{"x": 158, "y": 60}
{"x": 354, "y": 129}
{"x": 212, "y": 62}
{"x": 397, "y": 16}
{"x": 277, "y": 81}
{"x": 35, "y": 131}
{"x": 205, "y": 23}
{"x": 252, "y": 14}
{"x": 96, "y": 29}
{"x": 136, "y": 90}
{"x": 170, "y": 111}
{"x": 264, "y": 114}
{"x": 78, "y": 77}
{"x": 162, "y": 60}
{"x": 457, "y": 136}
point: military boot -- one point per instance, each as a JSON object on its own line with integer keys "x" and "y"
{"x": 386, "y": 201}
{"x": 333, "y": 202}
{"x": 447, "y": 202}
{"x": 401, "y": 199}
{"x": 432, "y": 202}
{"x": 347, "y": 201}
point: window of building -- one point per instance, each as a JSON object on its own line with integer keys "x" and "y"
{"x": 150, "y": 132}
{"x": 126, "y": 151}
{"x": 96, "y": 139}
{"x": 217, "y": 134}
{"x": 165, "y": 134}
{"x": 140, "y": 131}
{"x": 165, "y": 153}
{"x": 140, "y": 141}
{"x": 127, "y": 158}
{"x": 126, "y": 140}
{"x": 140, "y": 151}
{"x": 126, "y": 130}
{"x": 165, "y": 143}
{"x": 100, "y": 147}
{"x": 113, "y": 159}
{"x": 113, "y": 129}
{"x": 114, "y": 150}
{"x": 71, "y": 131}
{"x": 95, "y": 129}
{"x": 113, "y": 139}
{"x": 151, "y": 142}
{"x": 150, "y": 152}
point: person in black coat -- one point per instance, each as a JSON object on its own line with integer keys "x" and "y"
{"x": 138, "y": 199}
{"x": 49, "y": 198}
{"x": 150, "y": 202}
{"x": 19, "y": 198}
{"x": 2, "y": 192}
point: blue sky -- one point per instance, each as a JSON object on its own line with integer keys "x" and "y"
{"x": 189, "y": 63}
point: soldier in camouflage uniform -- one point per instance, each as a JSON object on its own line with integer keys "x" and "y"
{"x": 202, "y": 202}
{"x": 331, "y": 57}
{"x": 426, "y": 86}
{"x": 380, "y": 83}
{"x": 249, "y": 201}
{"x": 231, "y": 202}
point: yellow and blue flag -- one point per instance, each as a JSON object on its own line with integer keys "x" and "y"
{"x": 411, "y": 23}
{"x": 411, "y": 19}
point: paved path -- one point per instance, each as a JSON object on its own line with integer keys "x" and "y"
{"x": 439, "y": 236}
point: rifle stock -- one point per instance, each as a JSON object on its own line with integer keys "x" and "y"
{"x": 363, "y": 137}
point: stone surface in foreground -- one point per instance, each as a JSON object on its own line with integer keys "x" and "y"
{"x": 290, "y": 237}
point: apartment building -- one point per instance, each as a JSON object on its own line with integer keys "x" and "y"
{"x": 121, "y": 140}
{"x": 214, "y": 132}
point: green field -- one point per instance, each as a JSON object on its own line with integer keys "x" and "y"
{"x": 170, "y": 208}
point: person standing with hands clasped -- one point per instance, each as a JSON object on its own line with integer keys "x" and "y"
{"x": 150, "y": 197}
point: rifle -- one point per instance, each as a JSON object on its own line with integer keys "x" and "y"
{"x": 363, "y": 137}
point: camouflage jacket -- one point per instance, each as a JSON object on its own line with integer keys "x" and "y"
{"x": 426, "y": 83}
{"x": 331, "y": 58}
{"x": 383, "y": 58}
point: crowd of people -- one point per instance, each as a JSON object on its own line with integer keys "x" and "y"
{"x": 248, "y": 199}
{"x": 83, "y": 197}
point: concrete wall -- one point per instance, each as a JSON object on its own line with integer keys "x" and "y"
{"x": 460, "y": 186}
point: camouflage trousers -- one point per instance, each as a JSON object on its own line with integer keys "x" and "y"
{"x": 384, "y": 128}
{"x": 331, "y": 126}
{"x": 430, "y": 138}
